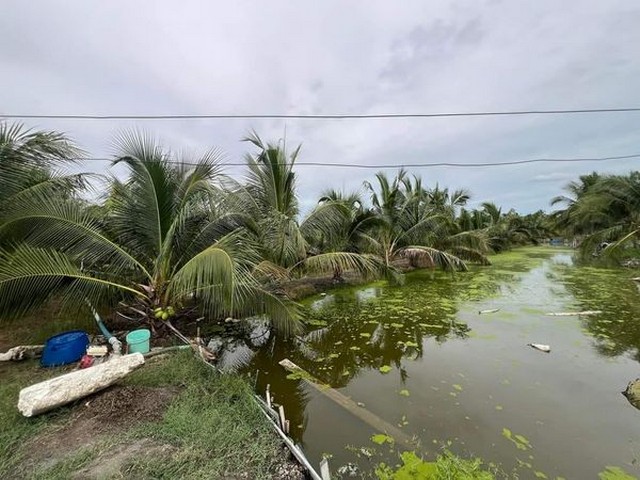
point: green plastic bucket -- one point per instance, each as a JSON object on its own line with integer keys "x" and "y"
{"x": 138, "y": 341}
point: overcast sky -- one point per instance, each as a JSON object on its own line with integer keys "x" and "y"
{"x": 303, "y": 57}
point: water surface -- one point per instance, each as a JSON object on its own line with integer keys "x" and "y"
{"x": 467, "y": 380}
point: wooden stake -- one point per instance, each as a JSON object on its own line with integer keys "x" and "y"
{"x": 268, "y": 394}
{"x": 324, "y": 469}
{"x": 282, "y": 418}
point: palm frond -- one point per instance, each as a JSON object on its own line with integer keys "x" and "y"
{"x": 616, "y": 246}
{"x": 27, "y": 158}
{"x": 270, "y": 271}
{"x": 68, "y": 227}
{"x": 148, "y": 196}
{"x": 326, "y": 220}
{"x": 368, "y": 266}
{"x": 30, "y": 276}
{"x": 437, "y": 257}
{"x": 20, "y": 146}
{"x": 469, "y": 254}
{"x": 281, "y": 239}
{"x": 211, "y": 276}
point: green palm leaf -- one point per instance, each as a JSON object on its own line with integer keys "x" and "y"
{"x": 436, "y": 257}
{"x": 30, "y": 276}
{"x": 365, "y": 265}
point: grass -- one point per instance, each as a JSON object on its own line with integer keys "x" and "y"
{"x": 217, "y": 426}
{"x": 14, "y": 428}
{"x": 37, "y": 327}
{"x": 212, "y": 428}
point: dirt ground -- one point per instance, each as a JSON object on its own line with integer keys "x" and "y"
{"x": 110, "y": 412}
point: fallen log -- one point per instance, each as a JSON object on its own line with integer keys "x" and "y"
{"x": 22, "y": 352}
{"x": 55, "y": 392}
{"x": 379, "y": 425}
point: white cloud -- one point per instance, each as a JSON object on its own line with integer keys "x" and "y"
{"x": 327, "y": 57}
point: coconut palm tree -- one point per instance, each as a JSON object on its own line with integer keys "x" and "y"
{"x": 505, "y": 230}
{"x": 166, "y": 245}
{"x": 270, "y": 206}
{"x": 416, "y": 227}
{"x": 445, "y": 200}
{"x": 567, "y": 218}
{"x": 351, "y": 233}
{"x": 30, "y": 167}
{"x": 610, "y": 213}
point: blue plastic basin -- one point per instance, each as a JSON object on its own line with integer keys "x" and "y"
{"x": 64, "y": 348}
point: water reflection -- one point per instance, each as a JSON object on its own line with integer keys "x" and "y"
{"x": 353, "y": 330}
{"x": 469, "y": 375}
{"x": 616, "y": 330}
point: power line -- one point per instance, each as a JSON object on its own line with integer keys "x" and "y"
{"x": 416, "y": 165}
{"x": 320, "y": 116}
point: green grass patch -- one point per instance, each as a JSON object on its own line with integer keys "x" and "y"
{"x": 14, "y": 428}
{"x": 65, "y": 469}
{"x": 217, "y": 427}
{"x": 211, "y": 429}
{"x": 37, "y": 327}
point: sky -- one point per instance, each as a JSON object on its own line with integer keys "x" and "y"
{"x": 301, "y": 57}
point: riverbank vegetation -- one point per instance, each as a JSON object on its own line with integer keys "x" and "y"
{"x": 602, "y": 212}
{"x": 176, "y": 238}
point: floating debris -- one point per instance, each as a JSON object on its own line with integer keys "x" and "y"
{"x": 540, "y": 346}
{"x": 491, "y": 310}
{"x": 381, "y": 439}
{"x": 520, "y": 441}
{"x": 574, "y": 314}
{"x": 632, "y": 393}
{"x": 349, "y": 470}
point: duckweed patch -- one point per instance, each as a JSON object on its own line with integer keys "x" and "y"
{"x": 519, "y": 441}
